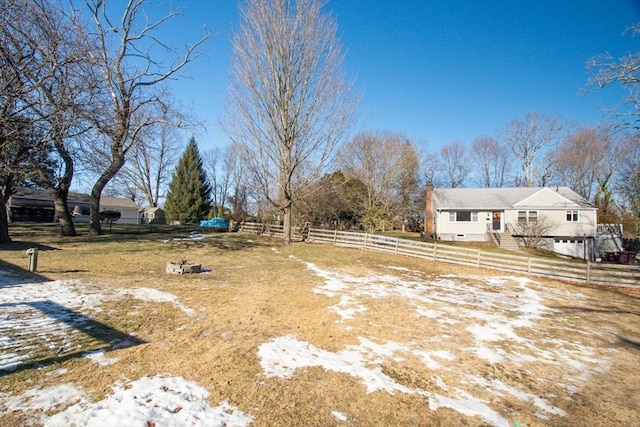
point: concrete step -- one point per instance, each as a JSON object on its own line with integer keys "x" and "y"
{"x": 508, "y": 242}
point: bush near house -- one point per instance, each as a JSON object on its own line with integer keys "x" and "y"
{"x": 109, "y": 216}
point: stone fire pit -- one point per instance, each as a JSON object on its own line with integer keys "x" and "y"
{"x": 183, "y": 267}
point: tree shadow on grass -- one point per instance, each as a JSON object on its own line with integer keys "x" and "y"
{"x": 616, "y": 310}
{"x": 24, "y": 245}
{"x": 229, "y": 241}
{"x": 12, "y": 275}
{"x": 48, "y": 340}
{"x": 627, "y": 342}
{"x": 612, "y": 309}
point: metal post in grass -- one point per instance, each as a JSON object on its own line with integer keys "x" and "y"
{"x": 33, "y": 259}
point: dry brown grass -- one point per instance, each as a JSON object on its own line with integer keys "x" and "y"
{"x": 256, "y": 291}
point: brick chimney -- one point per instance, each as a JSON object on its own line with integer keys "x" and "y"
{"x": 428, "y": 211}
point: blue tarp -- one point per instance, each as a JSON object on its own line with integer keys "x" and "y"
{"x": 215, "y": 222}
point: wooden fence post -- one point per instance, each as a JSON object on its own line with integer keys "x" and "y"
{"x": 593, "y": 271}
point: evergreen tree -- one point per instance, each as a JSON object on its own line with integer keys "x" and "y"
{"x": 188, "y": 198}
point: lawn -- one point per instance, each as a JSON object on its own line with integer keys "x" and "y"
{"x": 304, "y": 334}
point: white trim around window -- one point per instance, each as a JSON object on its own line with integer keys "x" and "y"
{"x": 573, "y": 216}
{"x": 463, "y": 216}
{"x": 527, "y": 216}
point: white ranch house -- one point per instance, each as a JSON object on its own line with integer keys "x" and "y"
{"x": 497, "y": 214}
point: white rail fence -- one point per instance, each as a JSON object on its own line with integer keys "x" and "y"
{"x": 584, "y": 272}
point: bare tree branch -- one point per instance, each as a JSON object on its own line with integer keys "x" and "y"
{"x": 289, "y": 103}
{"x": 492, "y": 162}
{"x": 624, "y": 71}
{"x": 456, "y": 163}
{"x": 526, "y": 138}
{"x": 124, "y": 54}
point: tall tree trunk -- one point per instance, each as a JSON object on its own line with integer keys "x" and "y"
{"x": 286, "y": 230}
{"x": 61, "y": 193}
{"x": 4, "y": 224}
{"x": 5, "y": 194}
{"x": 95, "y": 227}
{"x": 67, "y": 227}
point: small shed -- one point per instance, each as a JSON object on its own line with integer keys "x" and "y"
{"x": 152, "y": 216}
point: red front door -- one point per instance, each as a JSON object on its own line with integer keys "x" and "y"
{"x": 497, "y": 223}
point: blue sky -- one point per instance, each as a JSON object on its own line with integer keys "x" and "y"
{"x": 439, "y": 71}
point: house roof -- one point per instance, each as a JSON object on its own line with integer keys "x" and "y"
{"x": 152, "y": 210}
{"x": 41, "y": 197}
{"x": 117, "y": 202}
{"x": 509, "y": 198}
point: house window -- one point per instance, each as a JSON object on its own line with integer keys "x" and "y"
{"x": 572, "y": 216}
{"x": 527, "y": 216}
{"x": 463, "y": 216}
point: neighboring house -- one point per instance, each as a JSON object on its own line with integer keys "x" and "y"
{"x": 500, "y": 215}
{"x": 36, "y": 205}
{"x": 129, "y": 211}
{"x": 152, "y": 216}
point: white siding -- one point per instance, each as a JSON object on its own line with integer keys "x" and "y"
{"x": 128, "y": 215}
{"x": 470, "y": 231}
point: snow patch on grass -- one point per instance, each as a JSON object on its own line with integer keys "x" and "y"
{"x": 162, "y": 400}
{"x": 502, "y": 314}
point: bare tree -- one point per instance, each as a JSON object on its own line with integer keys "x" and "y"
{"x": 229, "y": 182}
{"x": 15, "y": 128}
{"x": 49, "y": 62}
{"x": 219, "y": 164}
{"x": 585, "y": 159}
{"x": 456, "y": 163}
{"x": 624, "y": 71}
{"x": 532, "y": 233}
{"x": 492, "y": 161}
{"x": 527, "y": 137}
{"x": 289, "y": 103}
{"x": 17, "y": 149}
{"x": 240, "y": 194}
{"x": 150, "y": 163}
{"x": 432, "y": 168}
{"x": 409, "y": 203}
{"x": 336, "y": 202}
{"x": 382, "y": 162}
{"x": 126, "y": 56}
{"x": 627, "y": 184}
